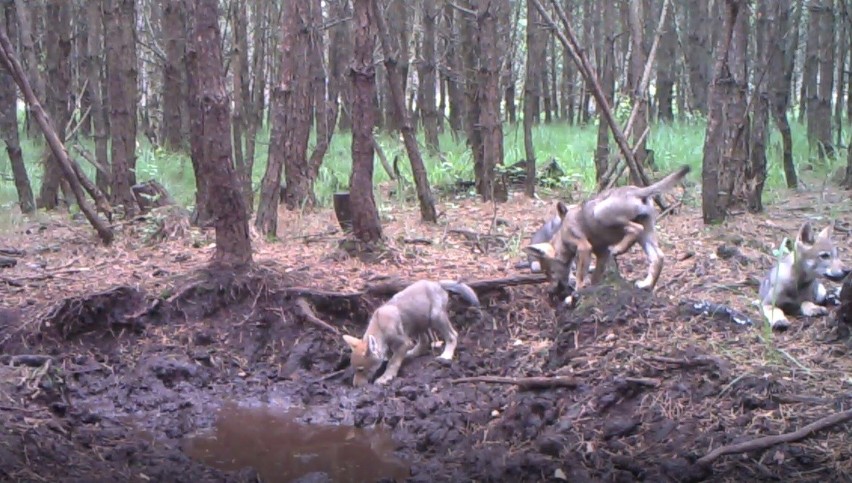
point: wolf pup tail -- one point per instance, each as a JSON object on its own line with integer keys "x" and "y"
{"x": 461, "y": 289}
{"x": 665, "y": 184}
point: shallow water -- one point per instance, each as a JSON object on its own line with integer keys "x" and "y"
{"x": 282, "y": 449}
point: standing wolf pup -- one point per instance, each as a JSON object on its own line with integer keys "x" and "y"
{"x": 409, "y": 314}
{"x": 791, "y": 286}
{"x": 605, "y": 225}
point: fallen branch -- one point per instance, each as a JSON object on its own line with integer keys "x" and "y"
{"x": 523, "y": 383}
{"x": 697, "y": 361}
{"x": 306, "y": 313}
{"x": 769, "y": 441}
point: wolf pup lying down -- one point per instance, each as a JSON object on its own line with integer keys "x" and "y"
{"x": 605, "y": 225}
{"x": 791, "y": 286}
{"x": 404, "y": 320}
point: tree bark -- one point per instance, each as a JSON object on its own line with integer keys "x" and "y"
{"x": 213, "y": 121}
{"x": 9, "y": 61}
{"x": 427, "y": 67}
{"x": 28, "y": 53}
{"x": 325, "y": 110}
{"x": 255, "y": 98}
{"x": 725, "y": 145}
{"x": 174, "y": 33}
{"x": 9, "y": 124}
{"x": 638, "y": 56}
{"x": 299, "y": 176}
{"x": 699, "y": 48}
{"x": 666, "y": 71}
{"x": 607, "y": 73}
{"x": 120, "y": 22}
{"x": 490, "y": 184}
{"x": 755, "y": 171}
{"x": 58, "y": 92}
{"x": 779, "y": 77}
{"x": 365, "y": 216}
{"x": 397, "y": 24}
{"x": 810, "y": 70}
{"x": 240, "y": 88}
{"x": 94, "y": 48}
{"x": 403, "y": 120}
{"x": 339, "y": 59}
{"x": 531, "y": 93}
{"x": 825, "y": 89}
{"x": 455, "y": 74}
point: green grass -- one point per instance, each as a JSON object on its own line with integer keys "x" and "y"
{"x": 572, "y": 147}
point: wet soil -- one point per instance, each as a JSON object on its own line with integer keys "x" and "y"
{"x": 113, "y": 386}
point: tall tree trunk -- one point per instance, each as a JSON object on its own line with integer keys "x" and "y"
{"x": 607, "y": 68}
{"x": 532, "y": 87}
{"x": 426, "y": 74}
{"x": 666, "y": 75}
{"x": 365, "y": 216}
{"x": 174, "y": 33}
{"x": 638, "y": 57}
{"x": 782, "y": 58}
{"x": 212, "y": 119}
{"x": 23, "y": 12}
{"x": 825, "y": 89}
{"x": 325, "y": 110}
{"x": 94, "y": 49}
{"x": 473, "y": 104}
{"x": 810, "y": 71}
{"x": 490, "y": 184}
{"x": 568, "y": 88}
{"x": 298, "y": 175}
{"x": 726, "y": 144}
{"x": 339, "y": 59}
{"x": 240, "y": 88}
{"x": 9, "y": 123}
{"x": 456, "y": 76}
{"x": 120, "y": 21}
{"x": 397, "y": 93}
{"x": 698, "y": 33}
{"x": 58, "y": 93}
{"x": 255, "y": 98}
{"x": 755, "y": 170}
{"x": 591, "y": 12}
{"x": 507, "y": 24}
{"x": 840, "y": 66}
{"x": 397, "y": 20}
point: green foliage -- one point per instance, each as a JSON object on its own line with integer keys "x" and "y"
{"x": 571, "y": 146}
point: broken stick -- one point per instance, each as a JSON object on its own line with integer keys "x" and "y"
{"x": 305, "y": 312}
{"x": 524, "y": 383}
{"x": 769, "y": 441}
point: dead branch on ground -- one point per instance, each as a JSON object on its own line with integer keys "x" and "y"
{"x": 769, "y": 441}
{"x": 524, "y": 383}
{"x": 306, "y": 313}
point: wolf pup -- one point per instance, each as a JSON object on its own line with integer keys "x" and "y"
{"x": 791, "y": 286}
{"x": 404, "y": 320}
{"x": 608, "y": 225}
{"x": 543, "y": 235}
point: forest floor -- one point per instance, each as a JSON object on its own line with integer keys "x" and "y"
{"x": 117, "y": 362}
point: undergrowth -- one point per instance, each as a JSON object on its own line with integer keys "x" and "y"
{"x": 571, "y": 146}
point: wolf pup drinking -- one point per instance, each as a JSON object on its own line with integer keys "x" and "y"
{"x": 405, "y": 320}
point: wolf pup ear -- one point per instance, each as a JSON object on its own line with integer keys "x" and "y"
{"x": 562, "y": 209}
{"x": 351, "y": 341}
{"x": 825, "y": 233}
{"x": 806, "y": 234}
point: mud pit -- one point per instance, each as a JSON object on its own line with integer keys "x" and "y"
{"x": 118, "y": 381}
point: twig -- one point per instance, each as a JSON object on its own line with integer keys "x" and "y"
{"x": 305, "y": 311}
{"x": 523, "y": 383}
{"x": 769, "y": 441}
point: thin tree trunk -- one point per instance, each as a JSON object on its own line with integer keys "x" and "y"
{"x": 119, "y": 20}
{"x": 456, "y": 78}
{"x": 825, "y": 89}
{"x": 531, "y": 93}
{"x": 636, "y": 20}
{"x": 255, "y": 99}
{"x": 699, "y": 48}
{"x": 365, "y": 216}
{"x": 9, "y": 61}
{"x": 94, "y": 49}
{"x": 240, "y": 88}
{"x": 755, "y": 170}
{"x": 213, "y": 121}
{"x": 9, "y": 123}
{"x": 29, "y": 55}
{"x": 809, "y": 94}
{"x": 325, "y": 110}
{"x": 779, "y": 74}
{"x": 725, "y": 145}
{"x": 426, "y": 73}
{"x": 666, "y": 71}
{"x": 58, "y": 91}
{"x": 339, "y": 60}
{"x": 606, "y": 40}
{"x": 397, "y": 93}
{"x": 174, "y": 31}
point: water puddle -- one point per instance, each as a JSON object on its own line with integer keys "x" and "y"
{"x": 281, "y": 449}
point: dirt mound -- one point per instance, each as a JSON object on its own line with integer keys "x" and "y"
{"x": 117, "y": 403}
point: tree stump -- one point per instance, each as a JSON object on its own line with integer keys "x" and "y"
{"x": 343, "y": 210}
{"x": 843, "y": 314}
{"x": 151, "y": 194}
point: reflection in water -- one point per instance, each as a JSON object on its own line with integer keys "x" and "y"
{"x": 281, "y": 449}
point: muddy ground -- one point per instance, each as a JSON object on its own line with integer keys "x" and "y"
{"x": 104, "y": 381}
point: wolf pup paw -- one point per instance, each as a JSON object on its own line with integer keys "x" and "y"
{"x": 383, "y": 381}
{"x": 813, "y": 310}
{"x": 780, "y": 324}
